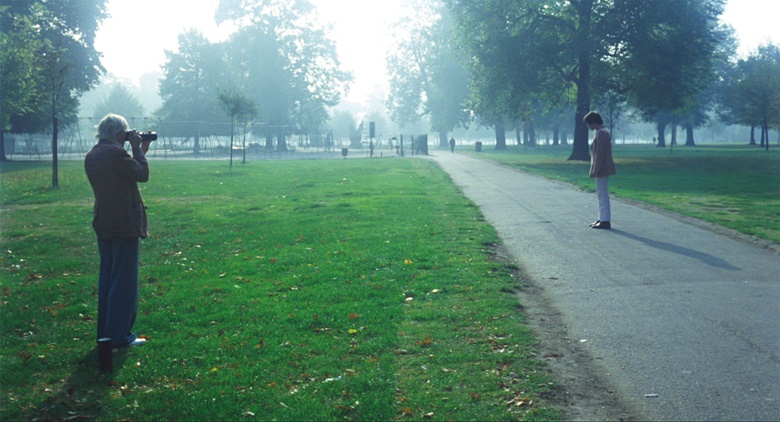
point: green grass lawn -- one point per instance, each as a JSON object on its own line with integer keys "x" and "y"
{"x": 734, "y": 186}
{"x": 345, "y": 289}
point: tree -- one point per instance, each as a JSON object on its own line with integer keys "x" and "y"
{"x": 667, "y": 56}
{"x": 283, "y": 60}
{"x": 66, "y": 63}
{"x": 193, "y": 79}
{"x": 753, "y": 96}
{"x": 20, "y": 83}
{"x": 240, "y": 108}
{"x": 531, "y": 52}
{"x": 428, "y": 73}
{"x": 279, "y": 58}
{"x": 343, "y": 123}
{"x": 119, "y": 101}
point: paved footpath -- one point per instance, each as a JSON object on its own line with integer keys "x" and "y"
{"x": 684, "y": 322}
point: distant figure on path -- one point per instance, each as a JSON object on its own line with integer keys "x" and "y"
{"x": 120, "y": 222}
{"x": 601, "y": 167}
{"x": 452, "y": 144}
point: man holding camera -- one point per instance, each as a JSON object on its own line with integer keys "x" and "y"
{"x": 120, "y": 222}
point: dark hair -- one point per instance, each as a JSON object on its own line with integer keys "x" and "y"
{"x": 593, "y": 117}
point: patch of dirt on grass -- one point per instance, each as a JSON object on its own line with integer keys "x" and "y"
{"x": 583, "y": 391}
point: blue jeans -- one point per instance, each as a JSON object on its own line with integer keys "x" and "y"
{"x": 118, "y": 289}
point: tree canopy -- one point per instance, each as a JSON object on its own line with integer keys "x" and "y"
{"x": 532, "y": 54}
{"x": 53, "y": 61}
{"x": 429, "y": 75}
{"x": 280, "y": 59}
{"x": 752, "y": 93}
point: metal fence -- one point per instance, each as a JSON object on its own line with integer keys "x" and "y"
{"x": 202, "y": 141}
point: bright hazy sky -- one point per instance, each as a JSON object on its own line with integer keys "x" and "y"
{"x": 134, "y": 38}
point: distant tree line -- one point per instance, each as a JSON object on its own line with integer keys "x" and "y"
{"x": 279, "y": 70}
{"x": 515, "y": 64}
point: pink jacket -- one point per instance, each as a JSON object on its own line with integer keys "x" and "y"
{"x": 601, "y": 164}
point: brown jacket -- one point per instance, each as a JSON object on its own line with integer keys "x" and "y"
{"x": 119, "y": 210}
{"x": 601, "y": 164}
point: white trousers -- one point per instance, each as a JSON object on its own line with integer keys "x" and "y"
{"x": 602, "y": 193}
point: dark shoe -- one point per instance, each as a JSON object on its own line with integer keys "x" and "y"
{"x": 105, "y": 359}
{"x": 594, "y": 223}
{"x": 602, "y": 225}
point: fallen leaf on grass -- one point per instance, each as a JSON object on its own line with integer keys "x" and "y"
{"x": 520, "y": 401}
{"x": 425, "y": 343}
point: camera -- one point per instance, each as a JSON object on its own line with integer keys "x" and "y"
{"x": 145, "y": 136}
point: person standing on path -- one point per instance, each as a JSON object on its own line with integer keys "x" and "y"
{"x": 120, "y": 221}
{"x": 601, "y": 167}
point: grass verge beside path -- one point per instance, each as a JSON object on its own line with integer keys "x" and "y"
{"x": 733, "y": 186}
{"x": 354, "y": 289}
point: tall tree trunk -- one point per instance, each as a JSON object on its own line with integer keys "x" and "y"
{"x": 580, "y": 150}
{"x": 281, "y": 143}
{"x": 500, "y": 136}
{"x": 3, "y": 158}
{"x": 243, "y": 144}
{"x": 55, "y": 179}
{"x": 196, "y": 146}
{"x": 766, "y": 130}
{"x": 556, "y": 129}
{"x": 517, "y": 134}
{"x": 661, "y": 126}
{"x": 531, "y": 129}
{"x": 443, "y": 141}
{"x": 761, "y": 128}
{"x": 689, "y": 136}
{"x": 752, "y": 135}
{"x": 674, "y": 131}
{"x": 2, "y": 130}
{"x": 231, "y": 141}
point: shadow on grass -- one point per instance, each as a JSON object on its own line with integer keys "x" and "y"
{"x": 708, "y": 259}
{"x": 83, "y": 394}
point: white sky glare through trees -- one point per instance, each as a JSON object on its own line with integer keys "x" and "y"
{"x": 134, "y": 39}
